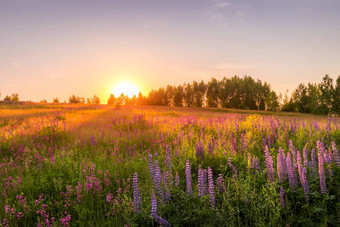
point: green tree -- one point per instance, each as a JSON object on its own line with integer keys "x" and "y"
{"x": 112, "y": 100}
{"x": 336, "y": 97}
{"x": 327, "y": 89}
{"x": 212, "y": 93}
{"x": 189, "y": 95}
{"x": 178, "y": 97}
{"x": 55, "y": 100}
{"x": 7, "y": 98}
{"x": 15, "y": 97}
{"x": 121, "y": 100}
{"x": 140, "y": 99}
{"x": 95, "y": 100}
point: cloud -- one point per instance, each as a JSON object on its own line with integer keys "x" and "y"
{"x": 217, "y": 11}
{"x": 221, "y": 5}
{"x": 221, "y": 11}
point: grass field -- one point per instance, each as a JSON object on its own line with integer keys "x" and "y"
{"x": 88, "y": 165}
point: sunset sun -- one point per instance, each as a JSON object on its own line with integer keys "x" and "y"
{"x": 127, "y": 88}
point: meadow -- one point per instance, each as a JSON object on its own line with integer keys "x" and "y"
{"x": 97, "y": 165}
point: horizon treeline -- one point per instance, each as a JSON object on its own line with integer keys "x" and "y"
{"x": 242, "y": 93}
{"x": 234, "y": 92}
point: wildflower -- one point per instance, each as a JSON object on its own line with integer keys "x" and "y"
{"x": 177, "y": 179}
{"x": 136, "y": 194}
{"x": 65, "y": 221}
{"x": 157, "y": 181}
{"x": 211, "y": 188}
{"x": 199, "y": 148}
{"x": 220, "y": 184}
{"x": 205, "y": 181}
{"x": 154, "y": 215}
{"x": 232, "y": 166}
{"x": 188, "y": 177}
{"x": 305, "y": 157}
{"x": 166, "y": 186}
{"x": 200, "y": 182}
{"x": 269, "y": 165}
{"x": 291, "y": 178}
{"x": 304, "y": 182}
{"x": 336, "y": 154}
{"x": 321, "y": 167}
{"x": 281, "y": 166}
{"x": 151, "y": 167}
{"x": 282, "y": 198}
{"x": 313, "y": 162}
{"x": 256, "y": 164}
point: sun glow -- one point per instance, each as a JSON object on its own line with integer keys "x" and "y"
{"x": 127, "y": 88}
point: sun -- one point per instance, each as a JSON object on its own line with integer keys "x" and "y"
{"x": 127, "y": 88}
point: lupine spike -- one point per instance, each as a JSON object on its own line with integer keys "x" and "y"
{"x": 211, "y": 188}
{"x": 321, "y": 168}
{"x": 157, "y": 181}
{"x": 291, "y": 177}
{"x": 188, "y": 177}
{"x": 136, "y": 194}
{"x": 336, "y": 156}
{"x": 269, "y": 165}
{"x": 200, "y": 182}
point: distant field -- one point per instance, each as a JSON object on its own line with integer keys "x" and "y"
{"x": 98, "y": 165}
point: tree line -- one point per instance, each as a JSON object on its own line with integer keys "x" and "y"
{"x": 235, "y": 92}
{"x": 321, "y": 98}
{"x": 242, "y": 93}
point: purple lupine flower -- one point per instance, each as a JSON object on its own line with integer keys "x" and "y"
{"x": 154, "y": 215}
{"x": 220, "y": 184}
{"x": 298, "y": 160}
{"x": 256, "y": 164}
{"x": 264, "y": 143}
{"x": 291, "y": 178}
{"x": 176, "y": 180}
{"x": 282, "y": 197}
{"x": 269, "y": 165}
{"x": 136, "y": 194}
{"x": 157, "y": 181}
{"x": 336, "y": 156}
{"x": 304, "y": 182}
{"x": 211, "y": 188}
{"x": 305, "y": 157}
{"x": 188, "y": 177}
{"x": 210, "y": 146}
{"x": 330, "y": 156}
{"x": 167, "y": 160}
{"x": 313, "y": 163}
{"x": 321, "y": 167}
{"x": 166, "y": 186}
{"x": 232, "y": 167}
{"x": 153, "y": 204}
{"x": 236, "y": 125}
{"x": 303, "y": 175}
{"x": 281, "y": 165}
{"x": 200, "y": 182}
{"x": 199, "y": 151}
{"x": 205, "y": 181}
{"x": 151, "y": 167}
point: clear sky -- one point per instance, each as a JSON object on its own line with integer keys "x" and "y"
{"x": 56, "y": 48}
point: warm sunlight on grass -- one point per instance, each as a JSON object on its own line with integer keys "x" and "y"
{"x": 127, "y": 88}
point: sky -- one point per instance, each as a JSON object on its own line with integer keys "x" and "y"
{"x": 56, "y": 48}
